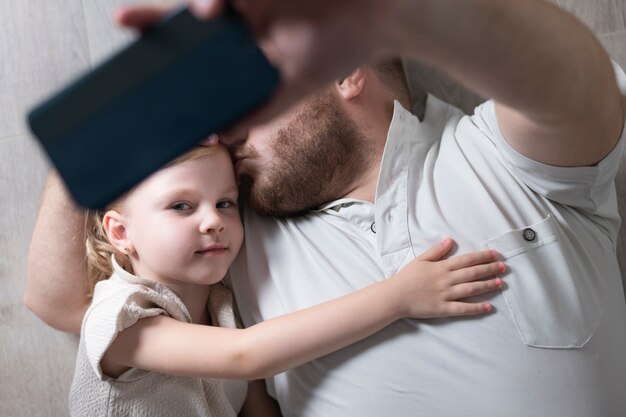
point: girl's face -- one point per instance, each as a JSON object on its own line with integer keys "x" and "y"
{"x": 182, "y": 224}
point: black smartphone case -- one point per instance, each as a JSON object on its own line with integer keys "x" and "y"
{"x": 179, "y": 82}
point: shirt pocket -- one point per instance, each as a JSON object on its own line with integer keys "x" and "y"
{"x": 548, "y": 289}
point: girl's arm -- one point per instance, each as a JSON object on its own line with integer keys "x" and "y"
{"x": 424, "y": 288}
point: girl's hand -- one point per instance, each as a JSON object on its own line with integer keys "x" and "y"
{"x": 431, "y": 287}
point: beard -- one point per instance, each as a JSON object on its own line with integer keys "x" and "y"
{"x": 315, "y": 158}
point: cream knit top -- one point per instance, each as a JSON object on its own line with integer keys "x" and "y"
{"x": 117, "y": 304}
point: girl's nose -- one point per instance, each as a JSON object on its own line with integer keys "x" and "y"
{"x": 212, "y": 223}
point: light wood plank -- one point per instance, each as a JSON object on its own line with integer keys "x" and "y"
{"x": 424, "y": 78}
{"x": 615, "y": 44}
{"x": 602, "y": 16}
{"x": 42, "y": 45}
{"x": 36, "y": 362}
{"x": 104, "y": 36}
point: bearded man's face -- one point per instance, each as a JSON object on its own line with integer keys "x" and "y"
{"x": 301, "y": 160}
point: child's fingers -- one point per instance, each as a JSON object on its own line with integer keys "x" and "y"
{"x": 472, "y": 273}
{"x": 436, "y": 252}
{"x": 469, "y": 289}
{"x": 457, "y": 308}
{"x": 471, "y": 259}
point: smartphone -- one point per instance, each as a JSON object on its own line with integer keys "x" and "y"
{"x": 180, "y": 81}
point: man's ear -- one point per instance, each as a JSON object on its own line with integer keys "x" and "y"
{"x": 353, "y": 84}
{"x": 115, "y": 227}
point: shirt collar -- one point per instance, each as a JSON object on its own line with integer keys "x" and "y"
{"x": 133, "y": 279}
{"x": 174, "y": 306}
{"x": 338, "y": 204}
{"x": 404, "y": 126}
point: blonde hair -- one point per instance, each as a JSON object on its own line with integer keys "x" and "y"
{"x": 97, "y": 246}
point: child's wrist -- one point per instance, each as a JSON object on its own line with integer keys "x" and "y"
{"x": 394, "y": 295}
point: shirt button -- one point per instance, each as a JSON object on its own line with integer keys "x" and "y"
{"x": 373, "y": 227}
{"x": 529, "y": 234}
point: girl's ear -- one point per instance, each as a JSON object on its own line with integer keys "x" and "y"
{"x": 115, "y": 227}
{"x": 352, "y": 85}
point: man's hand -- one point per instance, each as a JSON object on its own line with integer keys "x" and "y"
{"x": 545, "y": 70}
{"x": 311, "y": 42}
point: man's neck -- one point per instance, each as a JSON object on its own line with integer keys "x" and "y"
{"x": 365, "y": 188}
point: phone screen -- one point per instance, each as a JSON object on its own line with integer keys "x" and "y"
{"x": 179, "y": 82}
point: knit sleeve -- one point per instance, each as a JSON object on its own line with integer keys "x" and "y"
{"x": 115, "y": 308}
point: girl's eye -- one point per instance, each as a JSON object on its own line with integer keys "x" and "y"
{"x": 180, "y": 206}
{"x": 225, "y": 204}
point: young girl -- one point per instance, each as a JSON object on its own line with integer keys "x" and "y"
{"x": 160, "y": 337}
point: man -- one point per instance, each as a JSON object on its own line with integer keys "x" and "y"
{"x": 530, "y": 174}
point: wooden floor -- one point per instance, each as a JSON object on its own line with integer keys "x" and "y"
{"x": 43, "y": 44}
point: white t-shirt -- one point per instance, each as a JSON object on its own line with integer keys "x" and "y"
{"x": 556, "y": 343}
{"x": 118, "y": 303}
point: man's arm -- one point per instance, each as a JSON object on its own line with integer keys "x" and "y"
{"x": 56, "y": 285}
{"x": 556, "y": 96}
{"x": 557, "y": 100}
